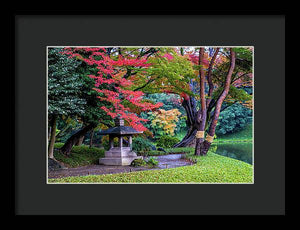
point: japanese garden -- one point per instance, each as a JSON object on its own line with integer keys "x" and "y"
{"x": 150, "y": 114}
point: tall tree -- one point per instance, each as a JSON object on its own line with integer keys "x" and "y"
{"x": 189, "y": 102}
{"x": 64, "y": 89}
{"x": 111, "y": 72}
{"x": 212, "y": 128}
{"x": 93, "y": 114}
{"x": 201, "y": 113}
{"x": 217, "y": 67}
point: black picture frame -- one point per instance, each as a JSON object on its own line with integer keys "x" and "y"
{"x": 33, "y": 32}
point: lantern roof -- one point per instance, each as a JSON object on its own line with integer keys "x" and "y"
{"x": 119, "y": 129}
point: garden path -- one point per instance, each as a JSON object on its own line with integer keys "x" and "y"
{"x": 165, "y": 161}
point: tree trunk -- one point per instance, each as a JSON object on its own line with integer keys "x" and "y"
{"x": 67, "y": 147}
{"x": 189, "y": 139}
{"x": 213, "y": 124}
{"x": 91, "y": 138}
{"x": 201, "y": 114}
{"x": 200, "y": 124}
{"x": 80, "y": 140}
{"x": 49, "y": 133}
{"x": 190, "y": 107}
{"x": 52, "y": 137}
{"x": 205, "y": 147}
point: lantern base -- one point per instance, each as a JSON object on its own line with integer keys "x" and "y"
{"x": 118, "y": 161}
{"x": 119, "y": 156}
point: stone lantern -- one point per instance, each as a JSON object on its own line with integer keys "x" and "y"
{"x": 120, "y": 155}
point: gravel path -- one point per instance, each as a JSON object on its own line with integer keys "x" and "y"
{"x": 165, "y": 161}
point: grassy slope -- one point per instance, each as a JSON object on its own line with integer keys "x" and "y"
{"x": 168, "y": 151}
{"x": 243, "y": 135}
{"x": 210, "y": 169}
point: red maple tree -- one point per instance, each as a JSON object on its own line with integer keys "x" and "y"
{"x": 111, "y": 71}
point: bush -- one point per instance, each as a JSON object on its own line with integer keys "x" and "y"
{"x": 105, "y": 142}
{"x": 152, "y": 161}
{"x": 80, "y": 155}
{"x": 58, "y": 145}
{"x": 138, "y": 162}
{"x": 167, "y": 141}
{"x": 233, "y": 119}
{"x": 140, "y": 144}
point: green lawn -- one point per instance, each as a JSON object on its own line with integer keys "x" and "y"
{"x": 168, "y": 151}
{"x": 212, "y": 168}
{"x": 243, "y": 135}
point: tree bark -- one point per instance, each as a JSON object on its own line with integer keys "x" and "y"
{"x": 213, "y": 124}
{"x": 204, "y": 145}
{"x": 189, "y": 139}
{"x": 209, "y": 79}
{"x": 200, "y": 124}
{"x": 191, "y": 112}
{"x": 91, "y": 138}
{"x": 201, "y": 114}
{"x": 49, "y": 133}
{"x": 52, "y": 137}
{"x": 80, "y": 140}
{"x": 189, "y": 105}
{"x": 67, "y": 147}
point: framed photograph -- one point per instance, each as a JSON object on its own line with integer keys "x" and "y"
{"x": 117, "y": 108}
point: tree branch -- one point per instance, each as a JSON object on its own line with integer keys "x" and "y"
{"x": 223, "y": 94}
{"x": 233, "y": 80}
{"x": 209, "y": 79}
{"x": 143, "y": 86}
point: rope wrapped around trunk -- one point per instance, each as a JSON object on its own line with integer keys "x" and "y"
{"x": 200, "y": 134}
{"x": 209, "y": 139}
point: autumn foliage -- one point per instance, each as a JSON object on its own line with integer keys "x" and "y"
{"x": 166, "y": 119}
{"x": 112, "y": 86}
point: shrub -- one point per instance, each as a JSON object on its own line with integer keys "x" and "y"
{"x": 164, "y": 122}
{"x": 152, "y": 161}
{"x": 80, "y": 155}
{"x": 138, "y": 162}
{"x": 167, "y": 141}
{"x": 233, "y": 119}
{"x": 105, "y": 142}
{"x": 58, "y": 145}
{"x": 140, "y": 144}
